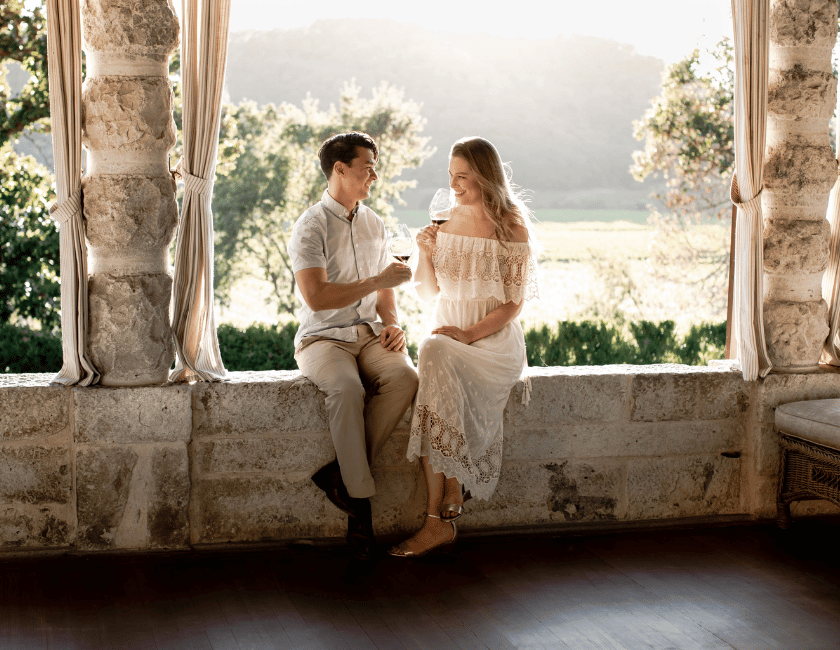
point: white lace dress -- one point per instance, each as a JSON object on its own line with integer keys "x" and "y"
{"x": 463, "y": 389}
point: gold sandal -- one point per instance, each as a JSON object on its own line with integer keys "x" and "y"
{"x": 451, "y": 511}
{"x": 402, "y": 549}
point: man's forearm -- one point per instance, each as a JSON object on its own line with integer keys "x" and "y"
{"x": 321, "y": 295}
{"x": 386, "y": 307}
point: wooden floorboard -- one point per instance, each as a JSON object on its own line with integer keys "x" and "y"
{"x": 742, "y": 588}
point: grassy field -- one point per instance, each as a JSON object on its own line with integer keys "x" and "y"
{"x": 419, "y": 218}
{"x": 585, "y": 268}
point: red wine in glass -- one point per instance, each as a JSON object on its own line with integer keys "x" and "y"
{"x": 439, "y": 207}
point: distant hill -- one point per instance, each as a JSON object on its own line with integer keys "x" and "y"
{"x": 559, "y": 110}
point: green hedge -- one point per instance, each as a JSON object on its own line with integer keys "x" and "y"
{"x": 259, "y": 347}
{"x": 271, "y": 347}
{"x": 596, "y": 344}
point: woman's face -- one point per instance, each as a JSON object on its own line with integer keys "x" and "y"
{"x": 463, "y": 182}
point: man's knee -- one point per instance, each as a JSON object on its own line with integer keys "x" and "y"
{"x": 402, "y": 379}
{"x": 344, "y": 388}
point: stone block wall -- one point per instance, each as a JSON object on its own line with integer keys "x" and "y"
{"x": 98, "y": 469}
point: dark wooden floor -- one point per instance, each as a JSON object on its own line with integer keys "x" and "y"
{"x": 745, "y": 587}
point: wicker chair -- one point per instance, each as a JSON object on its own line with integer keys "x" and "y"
{"x": 810, "y": 461}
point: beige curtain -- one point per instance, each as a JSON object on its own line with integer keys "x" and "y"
{"x": 831, "y": 279}
{"x": 751, "y": 67}
{"x": 203, "y": 55}
{"x": 64, "y": 51}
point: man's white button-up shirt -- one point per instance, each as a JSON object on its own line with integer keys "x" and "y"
{"x": 349, "y": 249}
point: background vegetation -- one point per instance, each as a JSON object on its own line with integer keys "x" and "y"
{"x": 623, "y": 292}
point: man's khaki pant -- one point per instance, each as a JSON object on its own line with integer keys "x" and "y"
{"x": 368, "y": 390}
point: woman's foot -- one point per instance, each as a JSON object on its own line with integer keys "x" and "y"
{"x": 436, "y": 535}
{"x": 453, "y": 500}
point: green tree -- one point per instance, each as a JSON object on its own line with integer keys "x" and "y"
{"x": 688, "y": 141}
{"x": 269, "y": 174}
{"x": 23, "y": 39}
{"x": 29, "y": 251}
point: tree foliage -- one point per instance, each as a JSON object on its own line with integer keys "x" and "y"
{"x": 688, "y": 141}
{"x": 23, "y": 39}
{"x": 29, "y": 251}
{"x": 269, "y": 175}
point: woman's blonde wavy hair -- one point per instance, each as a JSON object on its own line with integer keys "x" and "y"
{"x": 501, "y": 202}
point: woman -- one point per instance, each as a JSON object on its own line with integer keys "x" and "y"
{"x": 482, "y": 264}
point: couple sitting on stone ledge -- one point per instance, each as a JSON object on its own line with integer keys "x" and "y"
{"x": 480, "y": 264}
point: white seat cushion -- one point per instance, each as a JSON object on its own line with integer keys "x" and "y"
{"x": 817, "y": 421}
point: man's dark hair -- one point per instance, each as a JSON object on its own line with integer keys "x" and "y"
{"x": 342, "y": 147}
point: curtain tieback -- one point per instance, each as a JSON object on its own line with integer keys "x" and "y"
{"x": 196, "y": 184}
{"x": 735, "y": 196}
{"x": 64, "y": 211}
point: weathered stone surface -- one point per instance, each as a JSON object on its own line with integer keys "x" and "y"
{"x": 33, "y": 412}
{"x": 765, "y": 451}
{"x": 761, "y": 499}
{"x": 130, "y": 340}
{"x": 400, "y": 500}
{"x": 131, "y": 415}
{"x": 392, "y": 454}
{"x": 169, "y": 498}
{"x": 803, "y": 22}
{"x": 715, "y": 395}
{"x": 103, "y": 478}
{"x": 569, "y": 396}
{"x": 682, "y": 487}
{"x": 129, "y": 215}
{"x": 294, "y": 452}
{"x": 275, "y": 402}
{"x": 779, "y": 389}
{"x": 796, "y": 246}
{"x": 146, "y": 28}
{"x": 128, "y": 114}
{"x": 582, "y": 491}
{"x": 798, "y": 168}
{"x": 801, "y": 92}
{"x": 656, "y": 439}
{"x": 35, "y": 474}
{"x": 542, "y": 444}
{"x": 795, "y": 332}
{"x": 133, "y": 497}
{"x": 253, "y": 509}
{"x": 23, "y": 526}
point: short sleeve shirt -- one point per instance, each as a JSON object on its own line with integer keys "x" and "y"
{"x": 350, "y": 250}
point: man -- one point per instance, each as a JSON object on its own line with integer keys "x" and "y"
{"x": 350, "y": 343}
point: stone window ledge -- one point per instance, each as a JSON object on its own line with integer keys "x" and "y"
{"x": 203, "y": 464}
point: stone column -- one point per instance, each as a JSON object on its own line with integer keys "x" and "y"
{"x": 129, "y": 195}
{"x": 799, "y": 172}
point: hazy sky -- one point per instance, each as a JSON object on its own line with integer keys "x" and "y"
{"x": 667, "y": 29}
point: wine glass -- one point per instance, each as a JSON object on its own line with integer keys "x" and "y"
{"x": 439, "y": 207}
{"x": 400, "y": 242}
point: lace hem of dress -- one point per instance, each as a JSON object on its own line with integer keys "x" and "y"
{"x": 502, "y": 275}
{"x": 448, "y": 452}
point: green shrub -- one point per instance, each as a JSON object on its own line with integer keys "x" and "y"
{"x": 703, "y": 342}
{"x": 655, "y": 342}
{"x": 577, "y": 344}
{"x": 23, "y": 350}
{"x": 259, "y": 347}
{"x": 597, "y": 344}
{"x": 271, "y": 347}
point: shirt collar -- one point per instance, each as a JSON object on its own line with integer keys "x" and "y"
{"x": 336, "y": 208}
